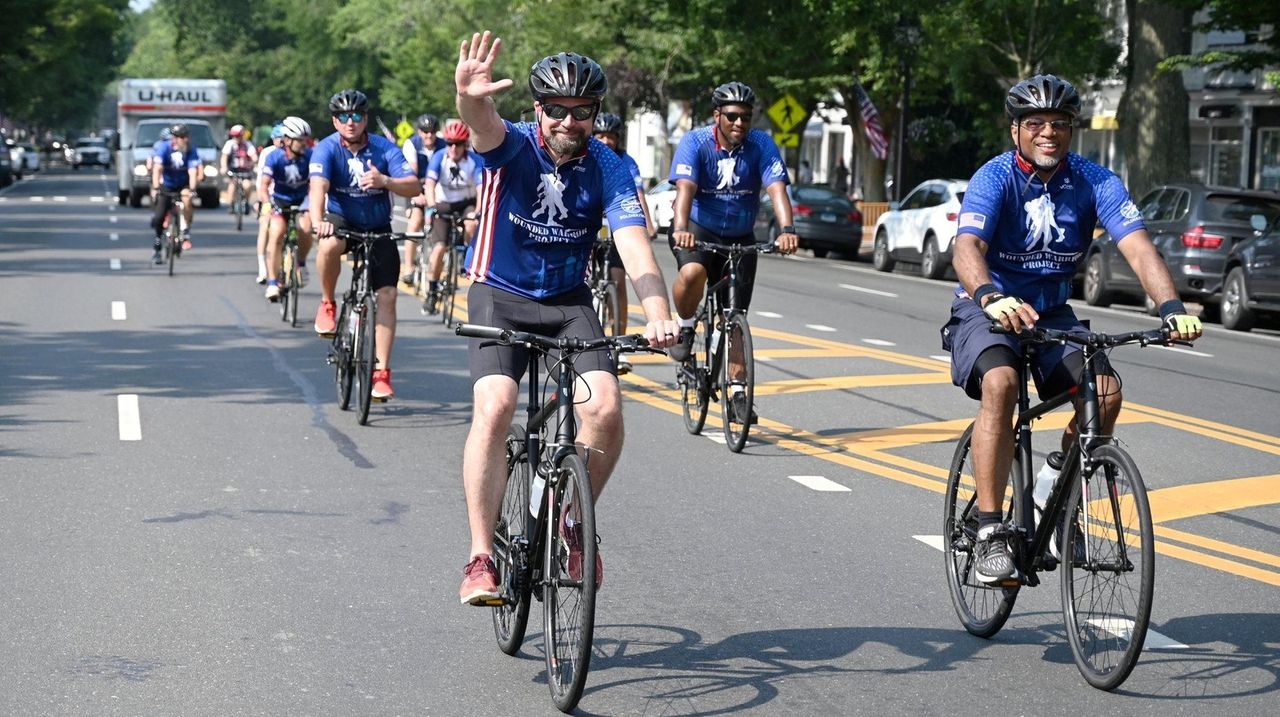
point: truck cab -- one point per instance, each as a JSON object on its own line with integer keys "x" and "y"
{"x": 149, "y": 132}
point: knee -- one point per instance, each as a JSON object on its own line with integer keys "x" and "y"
{"x": 999, "y": 389}
{"x": 387, "y": 296}
{"x": 604, "y": 411}
{"x": 492, "y": 413}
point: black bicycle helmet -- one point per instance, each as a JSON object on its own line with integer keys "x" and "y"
{"x": 349, "y": 101}
{"x": 1040, "y": 94}
{"x": 428, "y": 123}
{"x": 607, "y": 123}
{"x": 567, "y": 74}
{"x": 179, "y": 129}
{"x": 733, "y": 93}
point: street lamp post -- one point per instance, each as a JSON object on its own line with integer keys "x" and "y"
{"x": 908, "y": 36}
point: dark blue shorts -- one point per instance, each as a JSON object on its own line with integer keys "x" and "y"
{"x": 1055, "y": 367}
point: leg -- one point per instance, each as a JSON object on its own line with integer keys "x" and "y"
{"x": 264, "y": 223}
{"x": 993, "y": 437}
{"x": 1110, "y": 401}
{"x": 304, "y": 238}
{"x": 329, "y": 265}
{"x": 619, "y": 277}
{"x": 600, "y": 426}
{"x": 484, "y": 462}
{"x": 416, "y": 221}
{"x": 687, "y": 292}
{"x": 386, "y": 325}
{"x": 275, "y": 240}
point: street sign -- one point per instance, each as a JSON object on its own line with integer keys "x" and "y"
{"x": 404, "y": 130}
{"x": 786, "y": 139}
{"x": 786, "y": 113}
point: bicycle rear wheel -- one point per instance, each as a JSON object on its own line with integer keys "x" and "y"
{"x": 172, "y": 237}
{"x": 1108, "y": 580}
{"x": 606, "y": 306}
{"x": 569, "y": 584}
{"x": 343, "y": 343}
{"x": 286, "y": 284}
{"x": 293, "y": 280}
{"x": 982, "y": 609}
{"x": 364, "y": 357}
{"x": 511, "y": 541}
{"x": 694, "y": 379}
{"x": 237, "y": 205}
{"x": 737, "y": 337}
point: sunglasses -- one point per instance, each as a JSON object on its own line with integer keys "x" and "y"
{"x": 345, "y": 117}
{"x": 1035, "y": 125}
{"x": 735, "y": 116}
{"x": 455, "y": 144}
{"x": 580, "y": 113}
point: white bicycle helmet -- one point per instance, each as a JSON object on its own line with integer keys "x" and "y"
{"x": 296, "y": 127}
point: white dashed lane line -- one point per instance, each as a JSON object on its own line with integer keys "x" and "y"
{"x": 114, "y": 236}
{"x": 1117, "y": 627}
{"x": 113, "y": 219}
{"x": 115, "y": 265}
{"x": 819, "y": 327}
{"x": 1179, "y": 349}
{"x": 945, "y": 358}
{"x": 768, "y": 315}
{"x": 865, "y": 290}
{"x": 878, "y": 342}
{"x": 118, "y": 311}
{"x": 819, "y": 483}
{"x": 130, "y": 421}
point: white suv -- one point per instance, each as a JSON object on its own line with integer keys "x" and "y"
{"x": 921, "y": 229}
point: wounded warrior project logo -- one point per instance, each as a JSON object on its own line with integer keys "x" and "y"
{"x": 551, "y": 208}
{"x": 1045, "y": 244}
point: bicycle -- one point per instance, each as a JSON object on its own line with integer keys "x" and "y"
{"x": 445, "y": 301}
{"x": 720, "y": 332}
{"x": 604, "y": 297}
{"x": 290, "y": 274}
{"x": 353, "y": 352}
{"x": 239, "y": 197}
{"x": 173, "y": 223}
{"x": 548, "y": 485}
{"x": 1098, "y": 507}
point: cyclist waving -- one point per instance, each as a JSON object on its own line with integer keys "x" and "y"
{"x": 1024, "y": 225}
{"x": 547, "y": 187}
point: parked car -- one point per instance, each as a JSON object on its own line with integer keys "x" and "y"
{"x": 825, "y": 220}
{"x": 1194, "y": 227}
{"x": 661, "y": 199}
{"x": 921, "y": 229}
{"x": 30, "y": 157}
{"x": 91, "y": 151}
{"x": 17, "y": 157}
{"x": 6, "y": 170}
{"x": 1251, "y": 277}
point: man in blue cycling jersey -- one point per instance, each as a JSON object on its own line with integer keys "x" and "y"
{"x": 1024, "y": 225}
{"x": 353, "y": 174}
{"x": 547, "y": 187}
{"x": 608, "y": 129}
{"x": 418, "y": 151}
{"x": 719, "y": 171}
{"x": 284, "y": 183}
{"x": 175, "y": 167}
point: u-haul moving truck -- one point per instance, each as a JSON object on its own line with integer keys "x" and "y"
{"x": 146, "y": 108}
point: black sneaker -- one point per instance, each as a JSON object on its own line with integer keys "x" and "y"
{"x": 738, "y": 407}
{"x": 432, "y": 305}
{"x": 993, "y": 562}
{"x": 156, "y": 258}
{"x": 683, "y": 346}
{"x": 407, "y": 279}
{"x": 1077, "y": 543}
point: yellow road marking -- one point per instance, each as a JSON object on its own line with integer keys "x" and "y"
{"x": 806, "y": 385}
{"x": 1186, "y": 501}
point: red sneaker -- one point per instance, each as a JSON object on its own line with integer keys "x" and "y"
{"x": 480, "y": 582}
{"x": 571, "y": 535}
{"x": 326, "y": 319}
{"x": 382, "y": 385}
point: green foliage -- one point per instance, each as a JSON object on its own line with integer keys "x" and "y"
{"x": 1236, "y": 15}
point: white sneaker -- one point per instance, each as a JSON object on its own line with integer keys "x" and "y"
{"x": 303, "y": 276}
{"x": 273, "y": 293}
{"x": 262, "y": 277}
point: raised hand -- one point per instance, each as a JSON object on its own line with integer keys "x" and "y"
{"x": 474, "y": 76}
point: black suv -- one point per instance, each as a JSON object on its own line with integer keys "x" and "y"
{"x": 1251, "y": 281}
{"x": 1194, "y": 227}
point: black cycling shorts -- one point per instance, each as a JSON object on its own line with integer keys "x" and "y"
{"x": 715, "y": 264}
{"x": 440, "y": 227}
{"x": 564, "y": 315}
{"x": 384, "y": 259}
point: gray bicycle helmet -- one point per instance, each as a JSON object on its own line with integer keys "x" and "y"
{"x": 567, "y": 74}
{"x": 733, "y": 93}
{"x": 349, "y": 101}
{"x": 1040, "y": 94}
{"x": 179, "y": 130}
{"x": 607, "y": 123}
{"x": 427, "y": 123}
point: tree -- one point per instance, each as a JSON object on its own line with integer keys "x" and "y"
{"x": 1154, "y": 128}
{"x": 1238, "y": 15}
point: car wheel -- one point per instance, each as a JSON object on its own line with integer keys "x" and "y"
{"x": 820, "y": 253}
{"x": 1235, "y": 298}
{"x": 931, "y": 264}
{"x": 880, "y": 258}
{"x": 1149, "y": 306}
{"x": 1095, "y": 285}
{"x": 135, "y": 198}
{"x": 1212, "y": 312}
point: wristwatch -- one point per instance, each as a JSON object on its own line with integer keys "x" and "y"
{"x": 789, "y": 229}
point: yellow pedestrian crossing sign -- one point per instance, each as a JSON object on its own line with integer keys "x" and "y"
{"x": 786, "y": 139}
{"x": 404, "y": 130}
{"x": 786, "y": 113}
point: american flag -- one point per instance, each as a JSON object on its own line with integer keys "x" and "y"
{"x": 871, "y": 122}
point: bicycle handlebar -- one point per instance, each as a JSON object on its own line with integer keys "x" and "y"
{"x": 370, "y": 237}
{"x": 564, "y": 344}
{"x": 1089, "y": 339}
{"x": 727, "y": 249}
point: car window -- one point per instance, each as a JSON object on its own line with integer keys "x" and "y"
{"x": 1183, "y": 205}
{"x": 91, "y": 142}
{"x": 818, "y": 193}
{"x": 915, "y": 200}
{"x": 1237, "y": 208}
{"x": 149, "y": 134}
{"x": 1164, "y": 208}
{"x": 1150, "y": 204}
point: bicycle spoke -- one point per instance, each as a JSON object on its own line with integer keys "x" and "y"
{"x": 569, "y": 590}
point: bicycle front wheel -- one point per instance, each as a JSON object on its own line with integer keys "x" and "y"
{"x": 982, "y": 609}
{"x": 449, "y": 287}
{"x": 343, "y": 343}
{"x": 737, "y": 340}
{"x": 237, "y": 205}
{"x": 607, "y": 310}
{"x": 364, "y": 357}
{"x": 694, "y": 379}
{"x": 1109, "y": 576}
{"x": 511, "y": 540}
{"x": 293, "y": 280}
{"x": 569, "y": 584}
{"x": 171, "y": 240}
{"x": 286, "y": 284}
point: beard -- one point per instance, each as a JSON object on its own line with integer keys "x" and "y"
{"x": 566, "y": 144}
{"x": 1046, "y": 163}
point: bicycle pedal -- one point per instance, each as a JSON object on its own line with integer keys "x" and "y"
{"x": 379, "y": 399}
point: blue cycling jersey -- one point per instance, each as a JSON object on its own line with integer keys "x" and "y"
{"x": 424, "y": 153}
{"x": 363, "y": 209}
{"x": 539, "y": 220}
{"x": 289, "y": 176}
{"x": 175, "y": 163}
{"x": 1036, "y": 233}
{"x": 729, "y": 180}
{"x": 633, "y": 168}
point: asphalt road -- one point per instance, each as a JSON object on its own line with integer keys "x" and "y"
{"x": 252, "y": 550}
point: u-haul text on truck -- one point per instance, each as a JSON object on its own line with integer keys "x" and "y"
{"x": 146, "y": 108}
